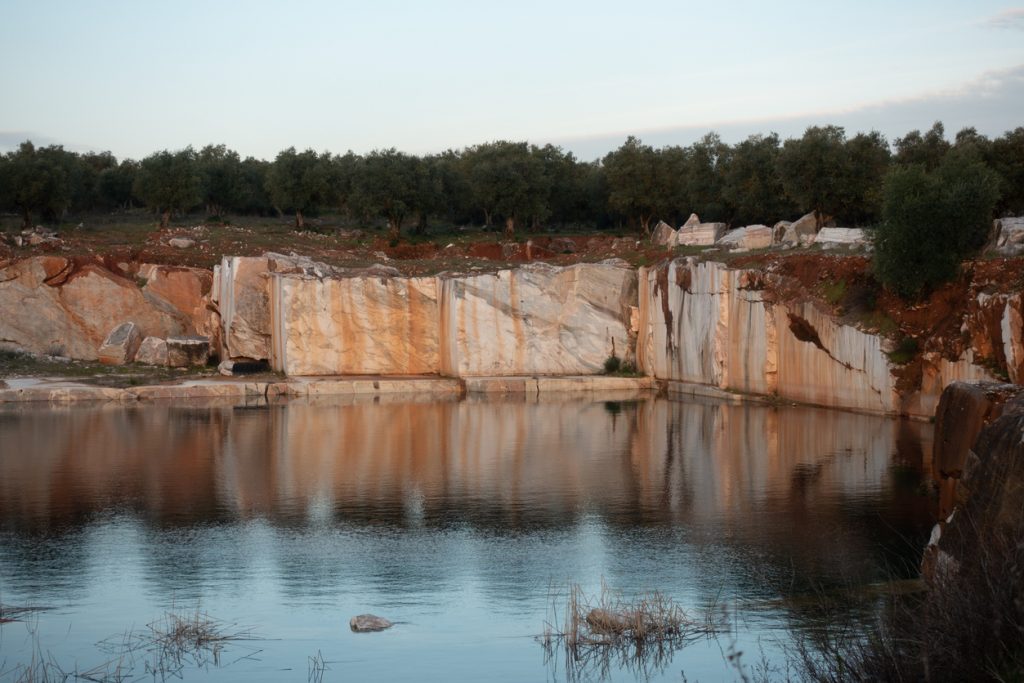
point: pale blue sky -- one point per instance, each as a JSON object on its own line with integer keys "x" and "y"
{"x": 135, "y": 76}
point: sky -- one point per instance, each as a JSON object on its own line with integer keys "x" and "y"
{"x": 136, "y": 77}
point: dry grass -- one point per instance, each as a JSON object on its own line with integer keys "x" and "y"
{"x": 594, "y": 634}
{"x": 178, "y": 641}
{"x": 163, "y": 651}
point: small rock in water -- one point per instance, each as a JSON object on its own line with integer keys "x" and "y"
{"x": 368, "y": 622}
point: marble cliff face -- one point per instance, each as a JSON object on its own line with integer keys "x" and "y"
{"x": 685, "y": 320}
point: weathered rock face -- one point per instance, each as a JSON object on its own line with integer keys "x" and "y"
{"x": 241, "y": 296}
{"x": 243, "y": 301}
{"x": 354, "y": 325}
{"x": 706, "y": 324}
{"x": 538, "y": 319}
{"x": 67, "y": 307}
{"x": 120, "y": 345}
{"x": 750, "y": 237}
{"x": 964, "y": 409}
{"x": 182, "y": 290}
{"x": 152, "y": 351}
{"x": 988, "y": 512}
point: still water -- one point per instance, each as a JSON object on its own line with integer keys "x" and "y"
{"x": 460, "y": 520}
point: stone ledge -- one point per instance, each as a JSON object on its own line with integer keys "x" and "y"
{"x": 570, "y": 384}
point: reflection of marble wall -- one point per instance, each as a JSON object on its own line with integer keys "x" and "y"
{"x": 546, "y": 461}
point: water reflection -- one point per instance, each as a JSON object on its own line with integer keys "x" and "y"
{"x": 430, "y": 504}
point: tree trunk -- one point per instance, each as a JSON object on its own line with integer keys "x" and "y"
{"x": 299, "y": 222}
{"x": 394, "y": 229}
{"x": 645, "y": 225}
{"x": 26, "y": 218}
{"x": 510, "y": 226}
{"x": 165, "y": 218}
{"x": 487, "y": 218}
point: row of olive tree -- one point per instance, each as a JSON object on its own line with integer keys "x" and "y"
{"x": 762, "y": 178}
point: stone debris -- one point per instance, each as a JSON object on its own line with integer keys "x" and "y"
{"x": 121, "y": 345}
{"x": 181, "y": 242}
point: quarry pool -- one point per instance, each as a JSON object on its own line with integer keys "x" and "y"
{"x": 463, "y": 521}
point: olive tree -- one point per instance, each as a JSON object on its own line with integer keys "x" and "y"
{"x": 169, "y": 181}
{"x": 932, "y": 220}
{"x": 301, "y": 182}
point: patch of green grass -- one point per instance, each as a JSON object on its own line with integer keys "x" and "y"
{"x": 834, "y": 291}
{"x": 906, "y": 350}
{"x": 20, "y": 364}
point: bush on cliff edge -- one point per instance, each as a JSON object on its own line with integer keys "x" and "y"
{"x": 933, "y": 220}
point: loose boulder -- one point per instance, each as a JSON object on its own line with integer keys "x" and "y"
{"x": 697, "y": 234}
{"x": 366, "y": 623}
{"x": 663, "y": 234}
{"x": 830, "y": 238}
{"x": 152, "y": 351}
{"x": 183, "y": 352}
{"x": 802, "y": 231}
{"x": 181, "y": 242}
{"x": 1009, "y": 236}
{"x": 750, "y": 237}
{"x": 120, "y": 345}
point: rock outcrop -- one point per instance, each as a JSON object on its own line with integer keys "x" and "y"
{"x": 60, "y": 306}
{"x": 979, "y": 435}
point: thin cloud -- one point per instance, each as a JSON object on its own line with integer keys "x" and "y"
{"x": 988, "y": 102}
{"x": 1012, "y": 19}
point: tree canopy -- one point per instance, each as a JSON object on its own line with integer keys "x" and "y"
{"x": 169, "y": 181}
{"x": 932, "y": 221}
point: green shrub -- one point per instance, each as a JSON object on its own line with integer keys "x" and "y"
{"x": 612, "y": 364}
{"x": 932, "y": 221}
